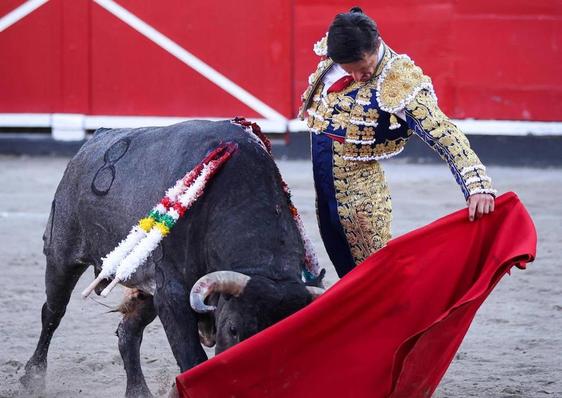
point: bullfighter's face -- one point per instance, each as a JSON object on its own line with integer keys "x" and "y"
{"x": 364, "y": 69}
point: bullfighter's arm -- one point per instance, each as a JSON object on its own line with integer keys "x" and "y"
{"x": 404, "y": 90}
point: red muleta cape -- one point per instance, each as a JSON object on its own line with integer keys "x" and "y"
{"x": 389, "y": 328}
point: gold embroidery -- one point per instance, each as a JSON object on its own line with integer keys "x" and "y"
{"x": 372, "y": 114}
{"x": 364, "y": 204}
{"x": 320, "y": 125}
{"x": 399, "y": 82}
{"x": 368, "y": 133}
{"x": 340, "y": 120}
{"x": 365, "y": 151}
{"x": 318, "y": 114}
{"x": 452, "y": 144}
{"x": 314, "y": 80}
{"x": 368, "y": 152}
{"x": 353, "y": 132}
{"x": 364, "y": 95}
{"x": 345, "y": 103}
{"x": 323, "y": 67}
{"x": 357, "y": 111}
{"x": 354, "y": 116}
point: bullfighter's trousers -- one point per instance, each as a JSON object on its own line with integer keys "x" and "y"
{"x": 353, "y": 204}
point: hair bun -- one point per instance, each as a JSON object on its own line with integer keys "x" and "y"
{"x": 356, "y": 9}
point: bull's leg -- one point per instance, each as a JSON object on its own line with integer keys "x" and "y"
{"x": 138, "y": 311}
{"x": 59, "y": 282}
{"x": 180, "y": 322}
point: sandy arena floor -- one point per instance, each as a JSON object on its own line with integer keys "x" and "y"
{"x": 513, "y": 348}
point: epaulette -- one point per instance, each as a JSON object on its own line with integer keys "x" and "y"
{"x": 313, "y": 81}
{"x": 400, "y": 81}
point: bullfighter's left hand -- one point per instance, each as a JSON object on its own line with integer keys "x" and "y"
{"x": 479, "y": 204}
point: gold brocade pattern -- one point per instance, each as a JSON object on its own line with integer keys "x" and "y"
{"x": 450, "y": 143}
{"x": 364, "y": 204}
{"x": 375, "y": 151}
{"x": 400, "y": 81}
{"x": 352, "y": 113}
{"x": 314, "y": 81}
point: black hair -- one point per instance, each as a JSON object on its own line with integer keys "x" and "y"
{"x": 351, "y": 36}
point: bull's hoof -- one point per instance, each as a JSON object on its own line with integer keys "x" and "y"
{"x": 34, "y": 379}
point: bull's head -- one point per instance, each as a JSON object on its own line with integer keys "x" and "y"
{"x": 243, "y": 305}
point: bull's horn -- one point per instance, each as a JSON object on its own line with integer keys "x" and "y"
{"x": 228, "y": 282}
{"x": 315, "y": 292}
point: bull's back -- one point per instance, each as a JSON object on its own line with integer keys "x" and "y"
{"x": 119, "y": 175}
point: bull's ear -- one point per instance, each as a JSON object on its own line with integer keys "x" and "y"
{"x": 207, "y": 329}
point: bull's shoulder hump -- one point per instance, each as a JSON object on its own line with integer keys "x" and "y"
{"x": 100, "y": 142}
{"x": 210, "y": 133}
{"x": 179, "y": 140}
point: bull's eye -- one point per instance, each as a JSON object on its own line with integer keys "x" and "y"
{"x": 233, "y": 330}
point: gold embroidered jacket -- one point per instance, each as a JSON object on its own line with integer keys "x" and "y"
{"x": 364, "y": 116}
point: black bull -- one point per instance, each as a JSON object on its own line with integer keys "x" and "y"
{"x": 242, "y": 223}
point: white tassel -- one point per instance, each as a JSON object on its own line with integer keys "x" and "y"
{"x": 134, "y": 250}
{"x": 112, "y": 260}
{"x": 139, "y": 255}
{"x": 191, "y": 194}
{"x": 146, "y": 246}
{"x": 174, "y": 214}
{"x": 178, "y": 188}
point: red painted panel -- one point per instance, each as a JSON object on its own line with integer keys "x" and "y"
{"x": 488, "y": 59}
{"x": 507, "y": 61}
{"x": 434, "y": 57}
{"x": 497, "y": 60}
{"x": 7, "y": 6}
{"x": 500, "y": 53}
{"x": 311, "y": 21}
{"x": 498, "y": 8}
{"x": 391, "y": 18}
{"x": 75, "y": 43}
{"x": 133, "y": 76}
{"x": 248, "y": 43}
{"x": 509, "y": 103}
{"x": 31, "y": 62}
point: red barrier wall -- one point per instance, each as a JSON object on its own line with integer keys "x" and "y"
{"x": 496, "y": 59}
{"x": 488, "y": 59}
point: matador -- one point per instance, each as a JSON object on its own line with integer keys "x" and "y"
{"x": 363, "y": 103}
